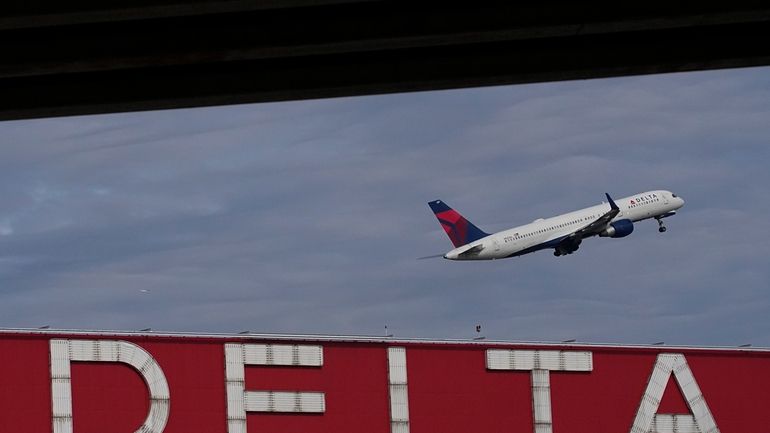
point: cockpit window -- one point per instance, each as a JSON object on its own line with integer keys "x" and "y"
{"x": 673, "y": 195}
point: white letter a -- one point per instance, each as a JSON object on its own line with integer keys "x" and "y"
{"x": 648, "y": 421}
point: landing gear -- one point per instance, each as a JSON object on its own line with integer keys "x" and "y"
{"x": 566, "y": 248}
{"x": 661, "y": 227}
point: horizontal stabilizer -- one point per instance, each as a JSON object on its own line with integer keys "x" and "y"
{"x": 434, "y": 256}
{"x": 472, "y": 251}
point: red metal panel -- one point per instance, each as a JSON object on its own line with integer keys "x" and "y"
{"x": 25, "y": 387}
{"x": 195, "y": 375}
{"x": 737, "y": 389}
{"x": 673, "y": 401}
{"x": 449, "y": 387}
{"x": 113, "y": 396}
{"x": 604, "y": 400}
{"x": 354, "y": 379}
{"x": 451, "y": 391}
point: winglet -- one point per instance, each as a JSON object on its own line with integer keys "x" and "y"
{"x": 613, "y": 206}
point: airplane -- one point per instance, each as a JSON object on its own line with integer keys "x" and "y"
{"x": 563, "y": 233}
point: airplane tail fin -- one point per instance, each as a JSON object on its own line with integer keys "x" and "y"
{"x": 460, "y": 230}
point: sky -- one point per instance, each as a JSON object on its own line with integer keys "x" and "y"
{"x": 309, "y": 216}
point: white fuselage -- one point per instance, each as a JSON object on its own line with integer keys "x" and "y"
{"x": 539, "y": 233}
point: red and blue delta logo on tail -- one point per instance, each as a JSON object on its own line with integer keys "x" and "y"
{"x": 460, "y": 230}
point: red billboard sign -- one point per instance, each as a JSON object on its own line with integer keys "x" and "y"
{"x": 123, "y": 382}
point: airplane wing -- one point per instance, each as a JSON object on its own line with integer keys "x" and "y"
{"x": 600, "y": 223}
{"x": 595, "y": 227}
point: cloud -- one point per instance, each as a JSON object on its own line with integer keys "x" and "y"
{"x": 308, "y": 216}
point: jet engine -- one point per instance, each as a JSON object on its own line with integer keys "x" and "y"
{"x": 618, "y": 229}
